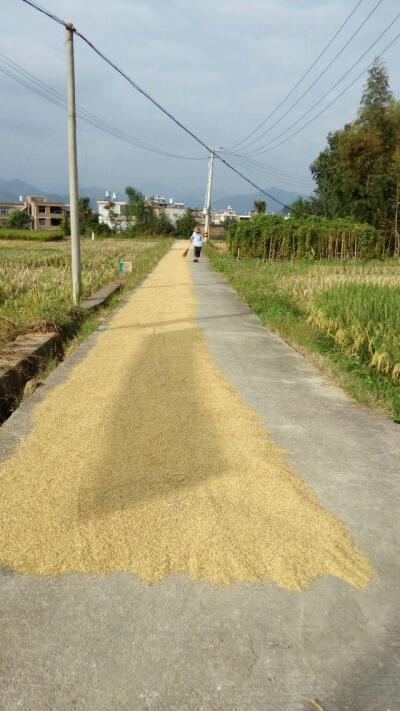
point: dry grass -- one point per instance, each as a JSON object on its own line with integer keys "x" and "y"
{"x": 220, "y": 245}
{"x": 35, "y": 280}
{"x": 145, "y": 460}
{"x": 304, "y": 283}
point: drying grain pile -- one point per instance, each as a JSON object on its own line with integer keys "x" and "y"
{"x": 145, "y": 460}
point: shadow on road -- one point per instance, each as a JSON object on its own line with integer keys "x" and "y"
{"x": 159, "y": 431}
{"x": 188, "y": 321}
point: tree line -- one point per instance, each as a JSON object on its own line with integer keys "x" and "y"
{"x": 141, "y": 218}
{"x": 358, "y": 173}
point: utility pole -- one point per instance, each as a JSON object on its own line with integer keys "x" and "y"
{"x": 207, "y": 206}
{"x": 73, "y": 170}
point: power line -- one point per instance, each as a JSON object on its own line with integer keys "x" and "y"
{"x": 268, "y": 169}
{"x": 361, "y": 74}
{"x": 153, "y": 101}
{"x": 46, "y": 12}
{"x": 301, "y": 78}
{"x": 304, "y": 187}
{"x": 259, "y": 151}
{"x": 304, "y": 184}
{"x": 47, "y": 92}
{"x": 311, "y": 86}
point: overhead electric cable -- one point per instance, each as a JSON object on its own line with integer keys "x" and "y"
{"x": 274, "y": 179}
{"x": 46, "y": 12}
{"x": 47, "y": 92}
{"x": 30, "y": 81}
{"x": 305, "y": 184}
{"x": 259, "y": 151}
{"x": 270, "y": 168}
{"x": 311, "y": 67}
{"x": 311, "y": 86}
{"x": 361, "y": 74}
{"x": 268, "y": 172}
{"x": 154, "y": 101}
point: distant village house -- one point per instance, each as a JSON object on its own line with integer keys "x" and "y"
{"x": 44, "y": 215}
{"x": 112, "y": 213}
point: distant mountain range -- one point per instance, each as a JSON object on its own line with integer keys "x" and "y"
{"x": 243, "y": 203}
{"x": 10, "y": 190}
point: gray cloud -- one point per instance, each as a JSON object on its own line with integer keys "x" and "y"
{"x": 220, "y": 65}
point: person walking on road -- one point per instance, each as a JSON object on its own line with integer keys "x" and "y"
{"x": 198, "y": 240}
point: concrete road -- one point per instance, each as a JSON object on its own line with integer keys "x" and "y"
{"x": 79, "y": 641}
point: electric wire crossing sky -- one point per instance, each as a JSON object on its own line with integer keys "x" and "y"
{"x": 241, "y": 154}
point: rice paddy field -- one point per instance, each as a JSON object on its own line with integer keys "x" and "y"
{"x": 35, "y": 279}
{"x": 344, "y": 314}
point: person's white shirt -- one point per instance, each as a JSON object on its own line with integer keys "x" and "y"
{"x": 197, "y": 239}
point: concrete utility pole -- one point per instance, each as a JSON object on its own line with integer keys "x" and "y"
{"x": 207, "y": 206}
{"x": 73, "y": 170}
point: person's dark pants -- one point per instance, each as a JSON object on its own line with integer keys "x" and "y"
{"x": 197, "y": 251}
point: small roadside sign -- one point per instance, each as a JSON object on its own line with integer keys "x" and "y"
{"x": 125, "y": 267}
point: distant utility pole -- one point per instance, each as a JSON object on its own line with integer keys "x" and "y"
{"x": 207, "y": 206}
{"x": 73, "y": 170}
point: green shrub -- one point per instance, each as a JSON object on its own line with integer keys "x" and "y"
{"x": 311, "y": 237}
{"x": 18, "y": 220}
{"x": 31, "y": 235}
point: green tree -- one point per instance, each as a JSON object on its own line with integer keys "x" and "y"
{"x": 302, "y": 207}
{"x": 102, "y": 229}
{"x": 84, "y": 210}
{"x": 185, "y": 225}
{"x": 65, "y": 224}
{"x": 88, "y": 220}
{"x": 164, "y": 225}
{"x": 144, "y": 218}
{"x": 396, "y": 222}
{"x": 229, "y": 220}
{"x": 112, "y": 215}
{"x": 18, "y": 220}
{"x": 260, "y": 206}
{"x": 377, "y": 95}
{"x": 134, "y": 196}
{"x": 356, "y": 174}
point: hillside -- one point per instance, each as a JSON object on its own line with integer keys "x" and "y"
{"x": 10, "y": 190}
{"x": 243, "y": 203}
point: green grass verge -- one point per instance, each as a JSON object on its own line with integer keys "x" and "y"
{"x": 288, "y": 296}
{"x": 31, "y": 235}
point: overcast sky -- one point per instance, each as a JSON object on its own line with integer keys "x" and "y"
{"x": 220, "y": 65}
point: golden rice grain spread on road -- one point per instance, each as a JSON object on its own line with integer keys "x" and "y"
{"x": 146, "y": 460}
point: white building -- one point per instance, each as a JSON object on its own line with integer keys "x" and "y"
{"x": 173, "y": 210}
{"x": 219, "y": 217}
{"x": 112, "y": 213}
